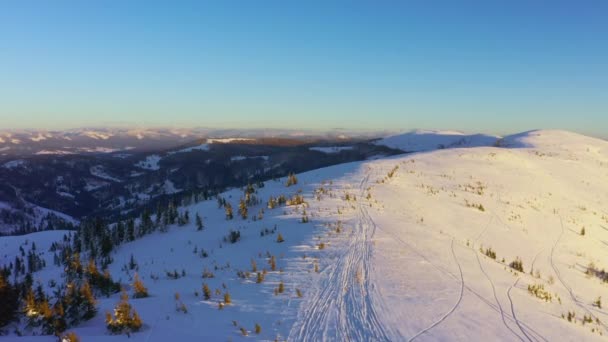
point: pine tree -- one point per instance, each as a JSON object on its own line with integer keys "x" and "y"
{"x": 138, "y": 286}
{"x": 199, "y": 222}
{"x": 206, "y": 291}
{"x": 9, "y": 301}
{"x": 130, "y": 230}
{"x": 291, "y": 179}
{"x": 125, "y": 317}
{"x": 88, "y": 302}
{"x": 243, "y": 209}
{"x": 228, "y": 209}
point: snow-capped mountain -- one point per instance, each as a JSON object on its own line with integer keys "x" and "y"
{"x": 108, "y": 140}
{"x": 501, "y": 242}
{"x": 428, "y": 140}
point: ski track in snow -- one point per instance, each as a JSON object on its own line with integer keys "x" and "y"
{"x": 447, "y": 314}
{"x": 568, "y": 288}
{"x": 346, "y": 295}
{"x": 502, "y": 314}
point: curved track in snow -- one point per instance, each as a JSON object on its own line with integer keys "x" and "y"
{"x": 342, "y": 309}
{"x": 576, "y": 301}
{"x": 447, "y": 314}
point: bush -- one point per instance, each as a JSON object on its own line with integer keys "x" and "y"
{"x": 517, "y": 264}
{"x": 280, "y": 238}
{"x": 490, "y": 253}
{"x": 260, "y": 278}
{"x": 233, "y": 237}
{"x": 538, "y": 290}
{"x": 206, "y": 291}
{"x": 291, "y": 180}
{"x": 70, "y": 337}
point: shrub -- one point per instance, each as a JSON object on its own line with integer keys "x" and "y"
{"x": 490, "y": 253}
{"x": 260, "y": 278}
{"x": 70, "y": 337}
{"x": 233, "y": 237}
{"x": 538, "y": 290}
{"x": 291, "y": 180}
{"x": 227, "y": 298}
{"x": 258, "y": 329}
{"x": 517, "y": 264}
{"x": 280, "y": 238}
{"x": 206, "y": 291}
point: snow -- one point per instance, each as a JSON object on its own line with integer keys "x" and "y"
{"x": 406, "y": 263}
{"x": 150, "y": 163}
{"x": 99, "y": 149}
{"x": 57, "y": 152}
{"x": 97, "y": 135}
{"x": 226, "y": 140}
{"x": 38, "y": 137}
{"x": 98, "y": 171}
{"x": 426, "y": 140}
{"x": 240, "y": 158}
{"x": 169, "y": 188}
{"x": 332, "y": 149}
{"x": 14, "y": 164}
{"x": 65, "y": 194}
{"x": 202, "y": 147}
{"x": 93, "y": 184}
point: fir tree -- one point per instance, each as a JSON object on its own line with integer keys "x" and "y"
{"x": 199, "y": 222}
{"x": 228, "y": 209}
{"x": 243, "y": 209}
{"x": 140, "y": 291}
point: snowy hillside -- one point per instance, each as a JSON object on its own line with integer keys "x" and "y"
{"x": 425, "y": 140}
{"x": 480, "y": 243}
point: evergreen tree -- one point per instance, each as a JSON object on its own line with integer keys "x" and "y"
{"x": 140, "y": 291}
{"x": 243, "y": 209}
{"x": 9, "y": 301}
{"x": 228, "y": 209}
{"x": 125, "y": 317}
{"x": 199, "y": 222}
{"x": 130, "y": 230}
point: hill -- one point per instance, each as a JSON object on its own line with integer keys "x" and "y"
{"x": 504, "y": 242}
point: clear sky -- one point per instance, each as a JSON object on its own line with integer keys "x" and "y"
{"x": 492, "y": 66}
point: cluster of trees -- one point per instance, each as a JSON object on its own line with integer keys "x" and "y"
{"x": 75, "y": 299}
{"x": 291, "y": 179}
{"x": 69, "y": 304}
{"x": 24, "y": 221}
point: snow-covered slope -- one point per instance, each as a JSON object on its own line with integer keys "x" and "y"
{"x": 397, "y": 249}
{"x": 425, "y": 140}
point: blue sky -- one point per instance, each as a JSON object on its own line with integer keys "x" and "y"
{"x": 492, "y": 66}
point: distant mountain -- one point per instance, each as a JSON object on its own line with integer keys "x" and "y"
{"x": 107, "y": 140}
{"x": 123, "y": 181}
{"x": 428, "y": 140}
